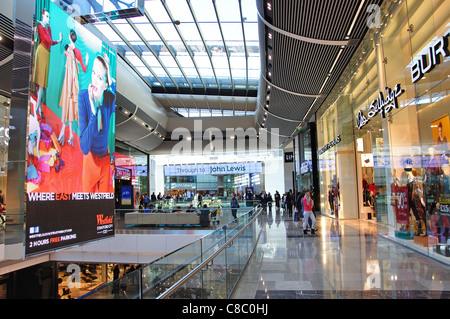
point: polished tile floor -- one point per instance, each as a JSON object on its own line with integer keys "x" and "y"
{"x": 344, "y": 260}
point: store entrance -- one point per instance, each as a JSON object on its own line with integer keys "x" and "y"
{"x": 371, "y": 172}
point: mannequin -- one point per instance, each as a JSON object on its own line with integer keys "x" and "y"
{"x": 441, "y": 217}
{"x": 331, "y": 198}
{"x": 432, "y": 184}
{"x": 366, "y": 193}
{"x": 416, "y": 198}
{"x": 417, "y": 202}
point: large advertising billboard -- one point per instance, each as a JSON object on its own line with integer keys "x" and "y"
{"x": 70, "y": 146}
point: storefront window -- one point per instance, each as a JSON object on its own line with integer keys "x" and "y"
{"x": 305, "y": 172}
{"x": 4, "y": 143}
{"x": 400, "y": 150}
{"x": 4, "y": 140}
{"x": 132, "y": 173}
{"x": 418, "y": 151}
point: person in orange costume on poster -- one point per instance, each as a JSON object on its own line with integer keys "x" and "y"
{"x": 70, "y": 90}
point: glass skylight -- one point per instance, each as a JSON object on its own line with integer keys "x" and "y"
{"x": 191, "y": 112}
{"x": 214, "y": 45}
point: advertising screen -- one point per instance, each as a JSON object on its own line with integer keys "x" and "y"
{"x": 70, "y": 145}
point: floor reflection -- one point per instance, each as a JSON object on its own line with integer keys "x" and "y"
{"x": 344, "y": 260}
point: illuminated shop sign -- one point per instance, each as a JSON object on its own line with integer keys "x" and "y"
{"x": 213, "y": 169}
{"x": 123, "y": 173}
{"x": 424, "y": 63}
{"x": 182, "y": 185}
{"x": 289, "y": 157}
{"x": 330, "y": 145}
{"x": 380, "y": 105}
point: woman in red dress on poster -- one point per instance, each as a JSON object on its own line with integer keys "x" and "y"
{"x": 42, "y": 58}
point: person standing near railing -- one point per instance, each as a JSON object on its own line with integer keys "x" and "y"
{"x": 234, "y": 205}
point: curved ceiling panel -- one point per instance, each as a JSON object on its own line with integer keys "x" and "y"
{"x": 305, "y": 46}
{"x": 135, "y": 127}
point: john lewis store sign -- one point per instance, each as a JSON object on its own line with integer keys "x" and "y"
{"x": 213, "y": 169}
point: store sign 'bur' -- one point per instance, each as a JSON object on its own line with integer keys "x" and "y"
{"x": 381, "y": 105}
{"x": 424, "y": 63}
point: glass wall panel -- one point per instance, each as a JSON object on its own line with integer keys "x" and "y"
{"x": 5, "y": 103}
{"x": 396, "y": 90}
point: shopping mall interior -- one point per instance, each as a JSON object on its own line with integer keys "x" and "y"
{"x": 224, "y": 149}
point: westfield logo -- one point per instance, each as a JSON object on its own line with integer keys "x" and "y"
{"x": 101, "y": 220}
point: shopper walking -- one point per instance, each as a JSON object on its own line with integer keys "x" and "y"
{"x": 234, "y": 204}
{"x": 308, "y": 205}
{"x": 269, "y": 202}
{"x": 289, "y": 200}
{"x": 277, "y": 198}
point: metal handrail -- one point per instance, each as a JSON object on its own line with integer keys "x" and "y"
{"x": 206, "y": 261}
{"x": 179, "y": 249}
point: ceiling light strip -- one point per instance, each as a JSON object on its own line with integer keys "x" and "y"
{"x": 130, "y": 116}
{"x": 290, "y": 92}
{"x": 299, "y": 37}
{"x": 335, "y": 61}
{"x": 274, "y": 115}
{"x": 303, "y": 120}
{"x": 149, "y": 134}
{"x": 270, "y": 132}
{"x": 355, "y": 18}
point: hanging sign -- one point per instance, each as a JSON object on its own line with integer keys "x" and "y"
{"x": 380, "y": 105}
{"x": 289, "y": 157}
{"x": 424, "y": 63}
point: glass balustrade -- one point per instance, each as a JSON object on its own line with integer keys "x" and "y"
{"x": 207, "y": 268}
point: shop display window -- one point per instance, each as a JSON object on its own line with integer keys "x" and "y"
{"x": 419, "y": 130}
{"x": 401, "y": 154}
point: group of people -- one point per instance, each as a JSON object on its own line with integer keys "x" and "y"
{"x": 303, "y": 206}
{"x": 145, "y": 199}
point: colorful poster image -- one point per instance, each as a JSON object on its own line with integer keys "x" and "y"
{"x": 70, "y": 146}
{"x": 441, "y": 134}
{"x": 401, "y": 205}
